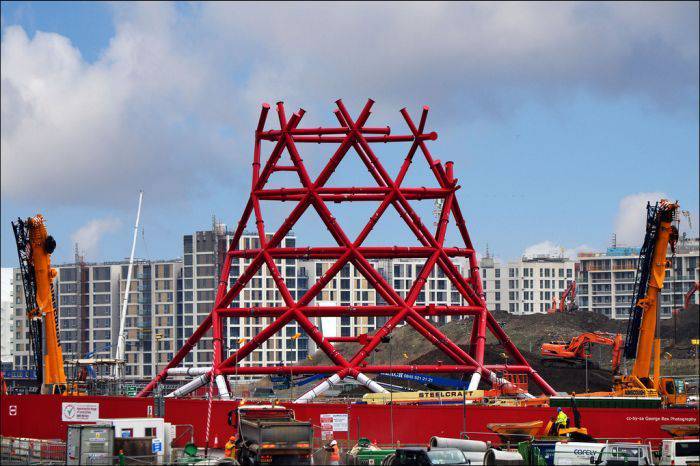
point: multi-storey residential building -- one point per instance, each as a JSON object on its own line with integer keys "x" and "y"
{"x": 348, "y": 288}
{"x": 438, "y": 289}
{"x": 89, "y": 298}
{"x": 204, "y": 253}
{"x": 530, "y": 285}
{"x": 606, "y": 280}
{"x": 7, "y": 319}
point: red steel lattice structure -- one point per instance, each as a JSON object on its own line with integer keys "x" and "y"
{"x": 351, "y": 135}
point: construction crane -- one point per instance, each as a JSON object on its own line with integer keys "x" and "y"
{"x": 574, "y": 354}
{"x": 642, "y": 342}
{"x": 34, "y": 247}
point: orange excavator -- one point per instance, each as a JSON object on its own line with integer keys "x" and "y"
{"x": 34, "y": 247}
{"x": 574, "y": 354}
{"x": 567, "y": 302}
{"x": 688, "y": 299}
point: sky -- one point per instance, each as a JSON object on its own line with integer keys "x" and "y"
{"x": 563, "y": 119}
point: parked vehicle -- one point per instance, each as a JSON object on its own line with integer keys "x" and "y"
{"x": 269, "y": 434}
{"x": 680, "y": 451}
{"x": 419, "y": 456}
{"x": 627, "y": 454}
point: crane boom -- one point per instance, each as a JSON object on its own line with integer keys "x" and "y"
{"x": 643, "y": 343}
{"x": 34, "y": 247}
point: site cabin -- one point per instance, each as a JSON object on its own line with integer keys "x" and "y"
{"x": 270, "y": 434}
{"x": 139, "y": 427}
{"x": 680, "y": 451}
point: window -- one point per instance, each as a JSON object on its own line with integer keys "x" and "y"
{"x": 100, "y": 273}
{"x": 150, "y": 432}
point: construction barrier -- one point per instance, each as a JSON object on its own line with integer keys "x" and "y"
{"x": 14, "y": 450}
{"x": 386, "y": 424}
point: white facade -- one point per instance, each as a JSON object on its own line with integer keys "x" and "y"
{"x": 606, "y": 280}
{"x": 7, "y": 334}
{"x": 528, "y": 286}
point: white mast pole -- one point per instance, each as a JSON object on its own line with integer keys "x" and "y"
{"x": 121, "y": 343}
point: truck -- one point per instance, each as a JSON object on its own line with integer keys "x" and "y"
{"x": 270, "y": 434}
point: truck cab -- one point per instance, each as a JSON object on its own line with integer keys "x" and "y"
{"x": 672, "y": 391}
{"x": 270, "y": 434}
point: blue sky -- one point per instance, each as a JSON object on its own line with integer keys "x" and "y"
{"x": 562, "y": 119}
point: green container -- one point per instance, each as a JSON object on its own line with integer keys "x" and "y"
{"x": 371, "y": 457}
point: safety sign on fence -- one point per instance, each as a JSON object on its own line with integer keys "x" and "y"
{"x": 334, "y": 422}
{"x": 79, "y": 412}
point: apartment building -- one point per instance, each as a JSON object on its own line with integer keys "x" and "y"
{"x": 437, "y": 290}
{"x": 204, "y": 254}
{"x": 89, "y": 298}
{"x": 348, "y": 288}
{"x": 7, "y": 321}
{"x": 606, "y": 279}
{"x": 530, "y": 285}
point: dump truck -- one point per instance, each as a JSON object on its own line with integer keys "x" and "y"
{"x": 270, "y": 434}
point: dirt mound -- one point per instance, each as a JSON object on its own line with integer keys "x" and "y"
{"x": 528, "y": 332}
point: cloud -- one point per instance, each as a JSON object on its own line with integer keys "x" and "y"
{"x": 88, "y": 236}
{"x": 551, "y": 249}
{"x": 171, "y": 102}
{"x": 631, "y": 218}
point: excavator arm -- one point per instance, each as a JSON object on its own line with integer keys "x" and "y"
{"x": 575, "y": 350}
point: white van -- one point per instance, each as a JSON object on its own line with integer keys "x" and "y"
{"x": 680, "y": 451}
{"x": 562, "y": 453}
{"x": 626, "y": 454}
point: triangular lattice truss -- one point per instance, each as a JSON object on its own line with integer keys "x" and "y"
{"x": 351, "y": 135}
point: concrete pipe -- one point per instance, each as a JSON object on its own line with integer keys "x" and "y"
{"x": 461, "y": 444}
{"x": 495, "y": 457}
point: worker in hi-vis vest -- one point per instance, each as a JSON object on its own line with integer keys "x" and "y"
{"x": 562, "y": 419}
{"x": 333, "y": 452}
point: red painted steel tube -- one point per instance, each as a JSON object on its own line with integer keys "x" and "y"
{"x": 368, "y": 252}
{"x": 320, "y": 130}
{"x": 186, "y": 348}
{"x": 369, "y": 369}
{"x": 349, "y": 311}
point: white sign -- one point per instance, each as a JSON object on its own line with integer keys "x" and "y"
{"x": 80, "y": 412}
{"x": 13, "y": 410}
{"x": 156, "y": 445}
{"x": 334, "y": 422}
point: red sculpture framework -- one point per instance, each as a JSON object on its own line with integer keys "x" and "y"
{"x": 350, "y": 134}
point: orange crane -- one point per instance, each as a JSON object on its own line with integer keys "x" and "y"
{"x": 34, "y": 247}
{"x": 574, "y": 352}
{"x": 643, "y": 342}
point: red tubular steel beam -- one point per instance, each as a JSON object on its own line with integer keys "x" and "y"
{"x": 334, "y": 253}
{"x": 349, "y": 311}
{"x": 351, "y": 134}
{"x": 374, "y": 369}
